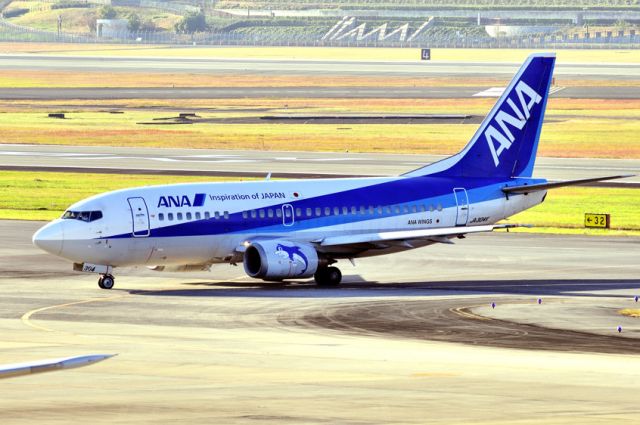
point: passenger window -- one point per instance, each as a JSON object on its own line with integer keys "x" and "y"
{"x": 345, "y": 210}
{"x": 253, "y": 214}
{"x": 198, "y": 216}
{"x": 261, "y": 213}
{"x": 439, "y": 207}
{"x": 422, "y": 208}
{"x": 379, "y": 210}
{"x": 188, "y": 216}
{"x": 336, "y": 211}
{"x": 318, "y": 212}
{"x": 279, "y": 213}
{"x": 216, "y": 215}
{"x": 414, "y": 208}
{"x": 405, "y": 209}
{"x": 397, "y": 210}
{"x": 298, "y": 212}
{"x": 287, "y": 212}
{"x": 354, "y": 210}
{"x": 245, "y": 214}
{"x": 226, "y": 215}
{"x": 327, "y": 211}
{"x": 179, "y": 215}
{"x": 270, "y": 213}
{"x": 207, "y": 215}
{"x": 371, "y": 209}
{"x": 387, "y": 210}
{"x": 431, "y": 208}
{"x": 170, "y": 216}
{"x": 363, "y": 210}
{"x": 309, "y": 212}
{"x": 161, "y": 217}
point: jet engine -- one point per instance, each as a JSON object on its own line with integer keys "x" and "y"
{"x": 280, "y": 259}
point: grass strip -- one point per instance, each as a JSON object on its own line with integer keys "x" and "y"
{"x": 71, "y": 79}
{"x": 587, "y": 137}
{"x": 44, "y": 196}
{"x": 631, "y": 312}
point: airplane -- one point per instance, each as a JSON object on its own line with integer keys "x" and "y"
{"x": 296, "y": 229}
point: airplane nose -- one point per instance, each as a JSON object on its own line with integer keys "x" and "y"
{"x": 50, "y": 238}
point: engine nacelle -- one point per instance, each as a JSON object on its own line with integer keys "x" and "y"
{"x": 280, "y": 259}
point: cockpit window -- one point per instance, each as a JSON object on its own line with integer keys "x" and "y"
{"x": 86, "y": 216}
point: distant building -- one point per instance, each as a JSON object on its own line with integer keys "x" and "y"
{"x": 112, "y": 28}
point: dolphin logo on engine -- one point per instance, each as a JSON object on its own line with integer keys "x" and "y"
{"x": 290, "y": 251}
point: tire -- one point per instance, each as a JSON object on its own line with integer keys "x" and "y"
{"x": 328, "y": 277}
{"x": 106, "y": 282}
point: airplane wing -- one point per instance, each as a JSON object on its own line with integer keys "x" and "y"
{"x": 544, "y": 186}
{"x": 41, "y": 366}
{"x": 441, "y": 235}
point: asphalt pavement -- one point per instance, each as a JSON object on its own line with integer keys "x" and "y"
{"x": 259, "y": 163}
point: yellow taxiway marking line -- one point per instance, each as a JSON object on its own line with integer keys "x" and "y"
{"x": 464, "y": 312}
{"x": 26, "y": 318}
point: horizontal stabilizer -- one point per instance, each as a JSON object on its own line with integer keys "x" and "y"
{"x": 404, "y": 235}
{"x": 544, "y": 186}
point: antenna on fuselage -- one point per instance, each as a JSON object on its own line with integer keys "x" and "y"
{"x": 268, "y": 177}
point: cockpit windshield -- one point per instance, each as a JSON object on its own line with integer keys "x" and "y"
{"x": 87, "y": 216}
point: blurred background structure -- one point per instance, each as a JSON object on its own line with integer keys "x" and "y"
{"x": 404, "y": 23}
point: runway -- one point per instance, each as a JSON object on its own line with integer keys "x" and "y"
{"x": 410, "y": 338}
{"x": 312, "y": 67}
{"x": 259, "y": 163}
{"x": 116, "y": 93}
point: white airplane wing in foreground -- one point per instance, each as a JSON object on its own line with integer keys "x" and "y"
{"x": 441, "y": 235}
{"x": 50, "y": 365}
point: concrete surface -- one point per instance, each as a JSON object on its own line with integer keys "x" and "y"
{"x": 259, "y": 163}
{"x": 284, "y": 67}
{"x": 461, "y": 92}
{"x": 219, "y": 348}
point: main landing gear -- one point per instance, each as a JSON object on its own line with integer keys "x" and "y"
{"x": 106, "y": 281}
{"x": 328, "y": 276}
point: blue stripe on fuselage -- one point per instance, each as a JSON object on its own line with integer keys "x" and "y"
{"x": 396, "y": 192}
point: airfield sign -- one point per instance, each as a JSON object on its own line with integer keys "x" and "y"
{"x": 602, "y": 221}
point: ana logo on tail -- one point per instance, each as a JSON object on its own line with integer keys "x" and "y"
{"x": 505, "y": 137}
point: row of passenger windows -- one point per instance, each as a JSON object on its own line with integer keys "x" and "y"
{"x": 197, "y": 216}
{"x": 353, "y": 210}
{"x": 308, "y": 212}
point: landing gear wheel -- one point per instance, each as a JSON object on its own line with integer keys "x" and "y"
{"x": 106, "y": 282}
{"x": 328, "y": 276}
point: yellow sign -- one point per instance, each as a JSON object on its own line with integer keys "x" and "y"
{"x": 597, "y": 220}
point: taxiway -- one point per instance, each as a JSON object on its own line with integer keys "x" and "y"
{"x": 300, "y": 66}
{"x": 410, "y": 338}
{"x": 259, "y": 163}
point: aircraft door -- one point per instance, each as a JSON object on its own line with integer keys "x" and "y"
{"x": 140, "y": 217}
{"x": 287, "y": 215}
{"x": 462, "y": 202}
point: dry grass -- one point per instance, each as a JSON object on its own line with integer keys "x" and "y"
{"x": 567, "y": 133}
{"x": 12, "y": 78}
{"x": 631, "y": 312}
{"x": 26, "y": 78}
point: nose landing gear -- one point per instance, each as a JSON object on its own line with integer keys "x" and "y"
{"x": 106, "y": 281}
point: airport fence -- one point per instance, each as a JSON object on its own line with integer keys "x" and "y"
{"x": 12, "y": 32}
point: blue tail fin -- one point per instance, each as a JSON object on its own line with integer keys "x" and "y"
{"x": 505, "y": 145}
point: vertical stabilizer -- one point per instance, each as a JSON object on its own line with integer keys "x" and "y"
{"x": 506, "y": 143}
